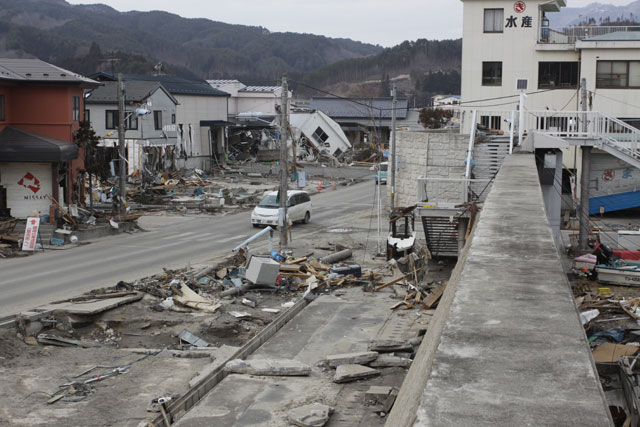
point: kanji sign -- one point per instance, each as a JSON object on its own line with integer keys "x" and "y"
{"x": 512, "y": 22}
{"x": 519, "y": 6}
{"x": 31, "y": 234}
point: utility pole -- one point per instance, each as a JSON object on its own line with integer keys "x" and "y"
{"x": 586, "y": 171}
{"x": 121, "y": 144}
{"x": 284, "y": 157}
{"x": 393, "y": 147}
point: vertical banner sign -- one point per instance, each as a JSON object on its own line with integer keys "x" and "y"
{"x": 31, "y": 234}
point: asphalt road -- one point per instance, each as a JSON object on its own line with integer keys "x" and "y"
{"x": 170, "y": 242}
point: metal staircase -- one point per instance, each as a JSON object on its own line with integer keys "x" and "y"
{"x": 488, "y": 155}
{"x": 606, "y": 133}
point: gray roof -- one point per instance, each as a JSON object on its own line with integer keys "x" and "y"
{"x": 175, "y": 85}
{"x": 34, "y": 70}
{"x": 135, "y": 92}
{"x": 260, "y": 89}
{"x": 359, "y": 108}
{"x": 222, "y": 82}
{"x": 17, "y": 145}
{"x": 616, "y": 36}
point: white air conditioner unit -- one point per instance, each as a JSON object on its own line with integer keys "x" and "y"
{"x": 522, "y": 84}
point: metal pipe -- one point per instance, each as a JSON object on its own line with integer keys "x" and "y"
{"x": 472, "y": 136}
{"x": 512, "y": 128}
{"x": 253, "y": 238}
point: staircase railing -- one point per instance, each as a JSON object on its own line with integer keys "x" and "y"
{"x": 590, "y": 125}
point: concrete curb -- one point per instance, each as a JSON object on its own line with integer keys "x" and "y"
{"x": 182, "y": 405}
{"x": 410, "y": 395}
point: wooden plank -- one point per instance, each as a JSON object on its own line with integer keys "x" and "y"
{"x": 434, "y": 296}
{"x": 390, "y": 282}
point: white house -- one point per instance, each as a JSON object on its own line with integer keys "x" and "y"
{"x": 317, "y": 133}
{"x": 153, "y": 133}
{"x": 201, "y": 118}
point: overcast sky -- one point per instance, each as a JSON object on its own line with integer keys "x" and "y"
{"x": 384, "y": 22}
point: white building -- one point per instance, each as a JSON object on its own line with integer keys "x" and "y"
{"x": 506, "y": 40}
{"x": 250, "y": 101}
{"x": 445, "y": 100}
{"x": 509, "y": 40}
{"x": 317, "y": 133}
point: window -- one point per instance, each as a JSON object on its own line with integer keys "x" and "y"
{"x": 111, "y": 119}
{"x": 132, "y": 122}
{"x": 558, "y": 75}
{"x": 76, "y": 108}
{"x": 491, "y": 122}
{"x": 87, "y": 115}
{"x": 320, "y": 136}
{"x": 618, "y": 74}
{"x": 157, "y": 119}
{"x": 491, "y": 73}
{"x": 3, "y": 113}
{"x": 173, "y": 119}
{"x": 493, "y": 19}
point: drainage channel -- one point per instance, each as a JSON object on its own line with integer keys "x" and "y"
{"x": 183, "y": 404}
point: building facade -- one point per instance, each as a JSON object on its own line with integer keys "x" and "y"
{"x": 505, "y": 41}
{"x": 201, "y": 118}
{"x": 41, "y": 107}
{"x": 150, "y": 122}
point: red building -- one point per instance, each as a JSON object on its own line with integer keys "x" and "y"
{"x": 41, "y": 106}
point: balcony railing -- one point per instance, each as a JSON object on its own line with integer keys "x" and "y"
{"x": 569, "y": 35}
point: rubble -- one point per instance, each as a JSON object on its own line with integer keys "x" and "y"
{"x": 268, "y": 367}
{"x": 353, "y": 372}
{"x": 335, "y": 360}
{"x": 386, "y": 361}
{"x": 313, "y": 415}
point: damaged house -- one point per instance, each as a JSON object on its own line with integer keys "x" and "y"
{"x": 317, "y": 135}
{"x": 150, "y": 137}
{"x": 41, "y": 107}
{"x": 200, "y": 119}
{"x": 252, "y": 111}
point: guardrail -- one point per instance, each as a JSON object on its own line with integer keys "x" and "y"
{"x": 571, "y": 34}
{"x": 446, "y": 193}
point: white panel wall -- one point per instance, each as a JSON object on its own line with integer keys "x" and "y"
{"x": 30, "y": 197}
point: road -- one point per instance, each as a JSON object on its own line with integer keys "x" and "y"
{"x": 170, "y": 242}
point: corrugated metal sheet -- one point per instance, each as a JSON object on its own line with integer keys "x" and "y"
{"x": 614, "y": 202}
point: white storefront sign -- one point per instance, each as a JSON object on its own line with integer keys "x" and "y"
{"x": 31, "y": 234}
{"x": 28, "y": 185}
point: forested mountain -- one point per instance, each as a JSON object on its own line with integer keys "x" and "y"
{"x": 56, "y": 31}
{"x": 90, "y": 38}
{"x": 597, "y": 13}
{"x": 421, "y": 68}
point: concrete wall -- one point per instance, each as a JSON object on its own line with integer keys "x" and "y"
{"x": 432, "y": 154}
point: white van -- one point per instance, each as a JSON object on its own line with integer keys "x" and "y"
{"x": 298, "y": 208}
